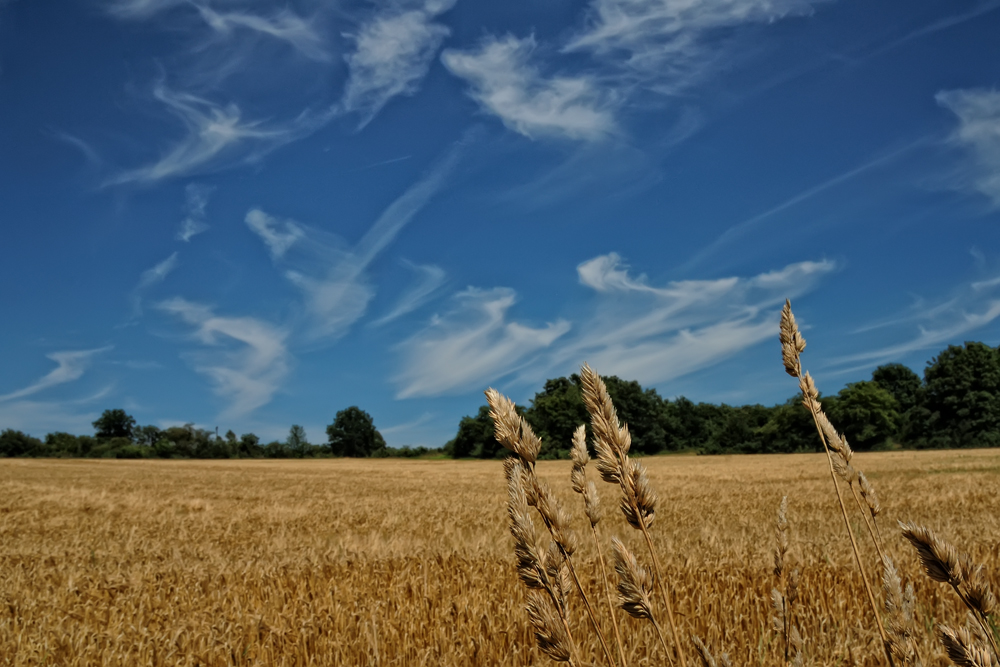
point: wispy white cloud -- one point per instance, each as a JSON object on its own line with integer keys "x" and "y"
{"x": 472, "y": 344}
{"x": 246, "y": 359}
{"x": 650, "y": 333}
{"x": 978, "y": 112}
{"x": 141, "y": 9}
{"x": 38, "y": 418}
{"x": 505, "y": 83}
{"x": 284, "y": 25}
{"x": 195, "y": 200}
{"x": 151, "y": 276}
{"x": 71, "y": 366}
{"x": 332, "y": 277}
{"x": 277, "y": 235}
{"x": 667, "y": 41}
{"x": 158, "y": 273}
{"x": 656, "y": 334}
{"x": 741, "y": 230}
{"x": 392, "y": 55}
{"x": 929, "y": 324}
{"x": 430, "y": 279}
{"x": 214, "y": 136}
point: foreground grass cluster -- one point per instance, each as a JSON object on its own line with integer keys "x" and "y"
{"x": 383, "y": 562}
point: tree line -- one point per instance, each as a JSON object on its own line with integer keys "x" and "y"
{"x": 117, "y": 435}
{"x": 955, "y": 404}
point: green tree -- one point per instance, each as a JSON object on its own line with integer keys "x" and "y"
{"x": 16, "y": 443}
{"x": 554, "y": 414}
{"x": 790, "y": 428}
{"x": 960, "y": 404}
{"x": 353, "y": 433}
{"x": 901, "y": 382}
{"x": 558, "y": 410}
{"x": 475, "y": 438}
{"x": 249, "y": 446}
{"x": 146, "y": 435}
{"x": 297, "y": 442}
{"x": 114, "y": 424}
{"x": 866, "y": 413}
{"x": 62, "y": 444}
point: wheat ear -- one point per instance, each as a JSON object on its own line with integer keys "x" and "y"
{"x": 707, "y": 659}
{"x": 592, "y": 506}
{"x": 783, "y": 598}
{"x": 638, "y": 502}
{"x": 964, "y": 650}
{"x": 792, "y": 346}
{"x": 515, "y": 434}
{"x": 547, "y": 613}
{"x": 945, "y": 564}
{"x": 900, "y": 624}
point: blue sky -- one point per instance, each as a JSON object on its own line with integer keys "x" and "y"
{"x": 249, "y": 214}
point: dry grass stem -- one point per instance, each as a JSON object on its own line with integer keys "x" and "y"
{"x": 943, "y": 563}
{"x": 578, "y": 478}
{"x": 900, "y": 624}
{"x": 784, "y": 597}
{"x": 515, "y": 434}
{"x": 707, "y": 659}
{"x": 638, "y": 503}
{"x": 965, "y": 649}
{"x": 838, "y": 451}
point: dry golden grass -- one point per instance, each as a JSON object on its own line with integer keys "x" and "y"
{"x": 409, "y": 562}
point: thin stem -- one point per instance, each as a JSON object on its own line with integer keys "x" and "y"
{"x": 850, "y": 532}
{"x": 574, "y": 658}
{"x": 590, "y": 610}
{"x": 659, "y": 633}
{"x": 659, "y": 584}
{"x": 871, "y": 531}
{"x": 607, "y": 594}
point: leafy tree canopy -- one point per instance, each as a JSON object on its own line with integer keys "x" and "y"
{"x": 961, "y": 397}
{"x": 353, "y": 433}
{"x": 867, "y": 414}
{"x": 114, "y": 424}
{"x": 901, "y": 382}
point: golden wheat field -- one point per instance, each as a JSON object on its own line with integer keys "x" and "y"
{"x": 387, "y": 562}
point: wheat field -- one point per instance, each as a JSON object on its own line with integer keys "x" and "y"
{"x": 388, "y": 562}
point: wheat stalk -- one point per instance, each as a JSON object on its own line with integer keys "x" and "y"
{"x": 513, "y": 432}
{"x": 592, "y": 506}
{"x": 943, "y": 563}
{"x": 792, "y": 346}
{"x": 638, "y": 502}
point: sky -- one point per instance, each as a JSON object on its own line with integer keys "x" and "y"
{"x": 247, "y": 215}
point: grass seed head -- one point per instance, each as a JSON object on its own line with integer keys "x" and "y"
{"x": 634, "y": 582}
{"x": 792, "y": 342}
{"x": 549, "y": 631}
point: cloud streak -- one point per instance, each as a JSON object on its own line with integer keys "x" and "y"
{"x": 639, "y": 331}
{"x": 928, "y": 325}
{"x": 657, "y": 334}
{"x": 246, "y": 359}
{"x": 667, "y": 41}
{"x": 152, "y": 276}
{"x": 978, "y": 132}
{"x": 507, "y": 85}
{"x": 196, "y": 199}
{"x": 284, "y": 26}
{"x": 470, "y": 345}
{"x": 214, "y": 136}
{"x": 332, "y": 277}
{"x": 392, "y": 55}
{"x": 71, "y": 366}
{"x": 430, "y": 280}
